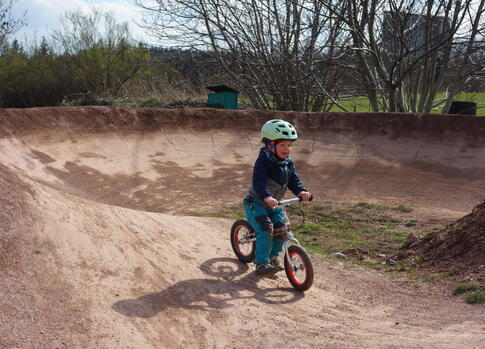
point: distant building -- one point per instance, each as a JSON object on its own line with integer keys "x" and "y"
{"x": 406, "y": 33}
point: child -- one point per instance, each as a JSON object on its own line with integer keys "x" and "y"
{"x": 273, "y": 172}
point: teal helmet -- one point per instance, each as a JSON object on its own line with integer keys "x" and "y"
{"x": 278, "y": 129}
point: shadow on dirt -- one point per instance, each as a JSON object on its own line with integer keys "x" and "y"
{"x": 137, "y": 192}
{"x": 204, "y": 294}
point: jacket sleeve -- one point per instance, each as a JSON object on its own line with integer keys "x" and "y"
{"x": 260, "y": 178}
{"x": 294, "y": 182}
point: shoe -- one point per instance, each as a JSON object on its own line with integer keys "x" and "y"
{"x": 275, "y": 262}
{"x": 266, "y": 269}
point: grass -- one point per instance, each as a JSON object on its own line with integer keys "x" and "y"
{"x": 428, "y": 277}
{"x": 363, "y": 231}
{"x": 475, "y": 297}
{"x": 464, "y": 288}
{"x": 404, "y": 208}
{"x": 232, "y": 212}
{"x": 330, "y": 227}
{"x": 340, "y": 226}
{"x": 411, "y": 223}
{"x": 361, "y": 103}
{"x": 474, "y": 293}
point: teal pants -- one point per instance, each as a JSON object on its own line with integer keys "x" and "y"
{"x": 264, "y": 220}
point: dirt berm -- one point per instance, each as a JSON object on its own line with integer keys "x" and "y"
{"x": 459, "y": 247}
{"x": 97, "y": 249}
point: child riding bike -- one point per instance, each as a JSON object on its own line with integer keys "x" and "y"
{"x": 273, "y": 172}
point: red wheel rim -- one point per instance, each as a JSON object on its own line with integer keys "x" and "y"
{"x": 292, "y": 273}
{"x": 238, "y": 245}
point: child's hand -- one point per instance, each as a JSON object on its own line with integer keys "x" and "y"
{"x": 305, "y": 196}
{"x": 271, "y": 201}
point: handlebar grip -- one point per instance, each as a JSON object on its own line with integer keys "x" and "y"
{"x": 310, "y": 199}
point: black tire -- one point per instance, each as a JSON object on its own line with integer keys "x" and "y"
{"x": 242, "y": 230}
{"x": 301, "y": 278}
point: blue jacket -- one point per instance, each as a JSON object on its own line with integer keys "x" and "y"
{"x": 271, "y": 176}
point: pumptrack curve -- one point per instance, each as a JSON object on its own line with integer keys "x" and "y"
{"x": 101, "y": 246}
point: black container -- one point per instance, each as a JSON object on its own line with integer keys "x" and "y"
{"x": 465, "y": 108}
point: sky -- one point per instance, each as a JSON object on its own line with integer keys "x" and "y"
{"x": 43, "y": 16}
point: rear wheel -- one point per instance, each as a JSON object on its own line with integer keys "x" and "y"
{"x": 300, "y": 274}
{"x": 242, "y": 240}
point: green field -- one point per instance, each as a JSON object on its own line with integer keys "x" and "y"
{"x": 361, "y": 103}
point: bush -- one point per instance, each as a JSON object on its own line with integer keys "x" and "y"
{"x": 81, "y": 99}
{"x": 149, "y": 102}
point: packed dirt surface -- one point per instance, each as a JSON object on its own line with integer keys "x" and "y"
{"x": 97, "y": 249}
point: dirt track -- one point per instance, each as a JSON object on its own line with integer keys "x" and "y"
{"x": 95, "y": 252}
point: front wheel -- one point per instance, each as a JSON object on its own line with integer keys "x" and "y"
{"x": 300, "y": 274}
{"x": 243, "y": 240}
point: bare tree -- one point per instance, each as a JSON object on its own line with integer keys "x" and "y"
{"x": 408, "y": 51}
{"x": 8, "y": 23}
{"x": 468, "y": 58}
{"x": 101, "y": 50}
{"x": 277, "y": 51}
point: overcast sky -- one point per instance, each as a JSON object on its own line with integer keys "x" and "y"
{"x": 43, "y": 16}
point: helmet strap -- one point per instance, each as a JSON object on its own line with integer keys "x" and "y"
{"x": 270, "y": 144}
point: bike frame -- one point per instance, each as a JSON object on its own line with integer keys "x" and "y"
{"x": 290, "y": 238}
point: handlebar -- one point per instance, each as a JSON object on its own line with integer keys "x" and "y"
{"x": 289, "y": 201}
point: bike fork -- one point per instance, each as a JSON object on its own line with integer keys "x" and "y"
{"x": 286, "y": 245}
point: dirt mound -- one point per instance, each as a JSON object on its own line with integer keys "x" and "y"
{"x": 460, "y": 247}
{"x": 34, "y": 298}
{"x": 13, "y": 263}
{"x": 13, "y": 209}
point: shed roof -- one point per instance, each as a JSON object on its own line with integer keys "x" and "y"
{"x": 221, "y": 88}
